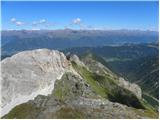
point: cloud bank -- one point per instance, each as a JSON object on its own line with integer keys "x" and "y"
{"x": 43, "y": 23}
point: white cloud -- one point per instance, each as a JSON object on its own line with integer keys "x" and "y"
{"x": 17, "y": 23}
{"x": 76, "y": 21}
{"x": 39, "y": 22}
{"x": 13, "y": 19}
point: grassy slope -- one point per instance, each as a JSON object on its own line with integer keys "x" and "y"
{"x": 147, "y": 83}
{"x": 108, "y": 88}
{"x": 23, "y": 111}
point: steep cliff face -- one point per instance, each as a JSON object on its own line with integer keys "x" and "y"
{"x": 47, "y": 84}
{"x": 28, "y": 74}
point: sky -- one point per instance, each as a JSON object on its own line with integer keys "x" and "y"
{"x": 79, "y": 15}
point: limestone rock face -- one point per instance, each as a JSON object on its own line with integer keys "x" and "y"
{"x": 75, "y": 58}
{"x": 28, "y": 74}
{"x": 130, "y": 86}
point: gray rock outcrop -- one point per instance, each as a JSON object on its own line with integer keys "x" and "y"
{"x": 28, "y": 74}
{"x": 131, "y": 87}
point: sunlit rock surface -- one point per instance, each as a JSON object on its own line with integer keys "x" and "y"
{"x": 28, "y": 74}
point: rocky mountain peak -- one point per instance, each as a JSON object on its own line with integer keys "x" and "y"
{"x": 75, "y": 58}
{"x": 45, "y": 83}
{"x": 30, "y": 73}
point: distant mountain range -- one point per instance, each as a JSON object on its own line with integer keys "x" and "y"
{"x": 14, "y": 41}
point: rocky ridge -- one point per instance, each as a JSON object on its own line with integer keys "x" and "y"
{"x": 97, "y": 67}
{"x": 78, "y": 93}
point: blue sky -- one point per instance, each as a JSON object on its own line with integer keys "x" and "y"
{"x": 80, "y": 15}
